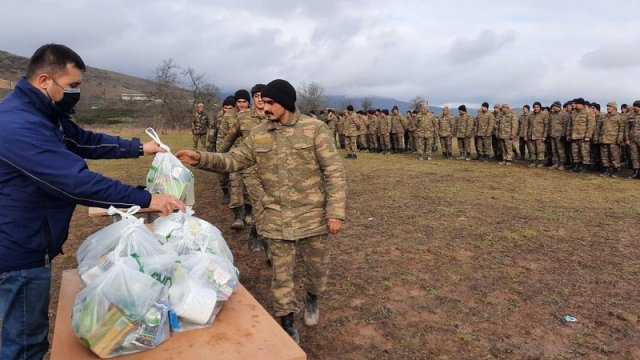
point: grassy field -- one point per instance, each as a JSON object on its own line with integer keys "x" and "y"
{"x": 450, "y": 259}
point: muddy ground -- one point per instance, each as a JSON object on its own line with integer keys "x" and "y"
{"x": 449, "y": 259}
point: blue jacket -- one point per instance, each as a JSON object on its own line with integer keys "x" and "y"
{"x": 43, "y": 176}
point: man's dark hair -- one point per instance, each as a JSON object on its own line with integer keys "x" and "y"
{"x": 53, "y": 58}
{"x": 257, "y": 88}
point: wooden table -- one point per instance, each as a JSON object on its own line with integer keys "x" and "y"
{"x": 242, "y": 330}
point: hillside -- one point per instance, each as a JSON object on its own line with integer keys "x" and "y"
{"x": 98, "y": 83}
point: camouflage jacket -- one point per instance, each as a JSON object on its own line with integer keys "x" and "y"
{"x": 465, "y": 126}
{"x": 537, "y": 126}
{"x": 351, "y": 125}
{"x": 427, "y": 125}
{"x": 384, "y": 125}
{"x": 332, "y": 121}
{"x": 227, "y": 121}
{"x": 582, "y": 125}
{"x": 557, "y": 124}
{"x": 397, "y": 124}
{"x": 612, "y": 129}
{"x": 445, "y": 125}
{"x": 246, "y": 120}
{"x": 486, "y": 124}
{"x": 412, "y": 123}
{"x": 361, "y": 123}
{"x": 372, "y": 129}
{"x": 303, "y": 179}
{"x": 200, "y": 123}
{"x": 523, "y": 125}
{"x": 340, "y": 125}
{"x": 632, "y": 132}
{"x": 507, "y": 126}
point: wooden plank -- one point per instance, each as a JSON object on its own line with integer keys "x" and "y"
{"x": 242, "y": 330}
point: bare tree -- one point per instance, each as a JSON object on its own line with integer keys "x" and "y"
{"x": 209, "y": 94}
{"x": 367, "y": 104}
{"x": 417, "y": 102}
{"x": 174, "y": 111}
{"x": 196, "y": 81}
{"x": 311, "y": 97}
{"x": 202, "y": 91}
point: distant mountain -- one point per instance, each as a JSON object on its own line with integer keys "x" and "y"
{"x": 98, "y": 84}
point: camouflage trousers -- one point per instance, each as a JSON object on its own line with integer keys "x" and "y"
{"x": 385, "y": 141}
{"x": 341, "y": 141}
{"x": 398, "y": 140}
{"x": 506, "y": 146}
{"x": 255, "y": 192}
{"x": 424, "y": 146}
{"x": 634, "y": 150}
{"x": 536, "y": 150}
{"x": 350, "y": 144}
{"x": 610, "y": 154}
{"x": 484, "y": 146}
{"x": 199, "y": 138}
{"x": 362, "y": 141}
{"x": 557, "y": 148}
{"x": 445, "y": 144}
{"x": 464, "y": 146}
{"x": 412, "y": 140}
{"x": 224, "y": 181}
{"x": 236, "y": 190}
{"x": 315, "y": 256}
{"x": 373, "y": 141}
{"x": 581, "y": 151}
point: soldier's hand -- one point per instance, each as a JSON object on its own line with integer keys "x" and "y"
{"x": 334, "y": 226}
{"x": 166, "y": 204}
{"x": 151, "y": 147}
{"x": 189, "y": 157}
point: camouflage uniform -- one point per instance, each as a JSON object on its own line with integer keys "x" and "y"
{"x": 199, "y": 129}
{"x": 397, "y": 132}
{"x": 351, "y": 134}
{"x": 340, "y": 131}
{"x": 384, "y": 129}
{"x": 305, "y": 184}
{"x": 523, "y": 129}
{"x": 632, "y": 138}
{"x": 372, "y": 131}
{"x": 213, "y": 132}
{"x": 464, "y": 132}
{"x": 240, "y": 130}
{"x": 332, "y": 122}
{"x": 580, "y": 133}
{"x": 558, "y": 121}
{"x": 427, "y": 129}
{"x": 362, "y": 123}
{"x": 506, "y": 132}
{"x": 412, "y": 133}
{"x": 445, "y": 127}
{"x": 227, "y": 120}
{"x": 611, "y": 136}
{"x": 485, "y": 126}
{"x": 535, "y": 137}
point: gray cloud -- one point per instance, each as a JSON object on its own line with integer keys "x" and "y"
{"x": 612, "y": 56}
{"x": 464, "y": 50}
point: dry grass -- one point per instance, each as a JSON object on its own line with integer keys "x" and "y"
{"x": 456, "y": 260}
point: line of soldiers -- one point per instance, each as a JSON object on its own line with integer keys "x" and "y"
{"x": 574, "y": 136}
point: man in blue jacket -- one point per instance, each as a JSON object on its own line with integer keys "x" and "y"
{"x": 43, "y": 176}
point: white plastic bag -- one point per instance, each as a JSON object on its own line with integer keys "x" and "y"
{"x": 185, "y": 234}
{"x": 167, "y": 175}
{"x": 123, "y": 311}
{"x": 192, "y": 302}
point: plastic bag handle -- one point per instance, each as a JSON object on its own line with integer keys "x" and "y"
{"x": 154, "y": 136}
{"x": 125, "y": 215}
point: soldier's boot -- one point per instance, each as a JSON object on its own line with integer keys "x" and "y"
{"x": 508, "y": 162}
{"x": 255, "y": 244}
{"x": 238, "y": 223}
{"x": 576, "y": 167}
{"x": 561, "y": 167}
{"x": 540, "y": 164}
{"x": 468, "y": 158}
{"x": 248, "y": 218}
{"x": 289, "y": 327}
{"x": 348, "y": 156}
{"x": 555, "y": 166}
{"x": 449, "y": 155}
{"x": 606, "y": 172}
{"x": 226, "y": 197}
{"x": 584, "y": 168}
{"x": 311, "y": 312}
{"x": 265, "y": 246}
{"x": 614, "y": 172}
{"x": 429, "y": 157}
{"x": 420, "y": 157}
{"x": 635, "y": 175}
{"x": 532, "y": 163}
{"x": 354, "y": 157}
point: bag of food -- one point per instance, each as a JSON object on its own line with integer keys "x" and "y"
{"x": 123, "y": 311}
{"x": 167, "y": 174}
{"x": 185, "y": 234}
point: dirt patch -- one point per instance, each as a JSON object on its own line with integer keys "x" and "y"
{"x": 455, "y": 260}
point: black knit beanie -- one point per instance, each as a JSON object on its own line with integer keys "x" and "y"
{"x": 636, "y": 103}
{"x": 281, "y": 92}
{"x": 350, "y": 108}
{"x": 242, "y": 95}
{"x": 462, "y": 108}
{"x": 485, "y": 105}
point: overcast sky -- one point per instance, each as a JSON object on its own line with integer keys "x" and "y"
{"x": 449, "y": 52}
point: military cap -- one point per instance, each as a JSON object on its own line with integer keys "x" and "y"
{"x": 612, "y": 104}
{"x": 556, "y": 103}
{"x": 636, "y": 103}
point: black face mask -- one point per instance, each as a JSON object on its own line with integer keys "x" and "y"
{"x": 69, "y": 100}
